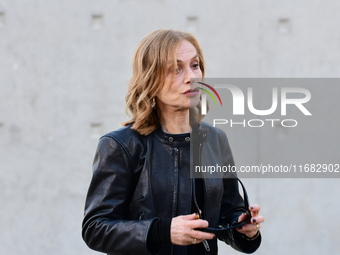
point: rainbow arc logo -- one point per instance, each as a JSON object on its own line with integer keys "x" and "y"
{"x": 211, "y": 94}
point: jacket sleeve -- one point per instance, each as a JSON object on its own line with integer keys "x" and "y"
{"x": 232, "y": 207}
{"x": 105, "y": 226}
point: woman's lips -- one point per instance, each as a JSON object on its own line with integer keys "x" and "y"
{"x": 191, "y": 92}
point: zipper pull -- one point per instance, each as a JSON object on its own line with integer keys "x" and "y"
{"x": 206, "y": 245}
{"x": 141, "y": 214}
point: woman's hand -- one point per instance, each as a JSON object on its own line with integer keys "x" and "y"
{"x": 251, "y": 229}
{"x": 182, "y": 231}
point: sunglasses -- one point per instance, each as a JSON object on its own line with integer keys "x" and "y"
{"x": 245, "y": 210}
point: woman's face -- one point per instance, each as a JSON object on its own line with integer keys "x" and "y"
{"x": 176, "y": 93}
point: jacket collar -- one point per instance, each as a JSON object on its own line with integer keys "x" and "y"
{"x": 199, "y": 132}
{"x": 172, "y": 139}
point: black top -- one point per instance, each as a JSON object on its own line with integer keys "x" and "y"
{"x": 160, "y": 229}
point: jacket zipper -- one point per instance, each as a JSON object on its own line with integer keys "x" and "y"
{"x": 199, "y": 154}
{"x": 140, "y": 216}
{"x": 174, "y": 201}
{"x": 205, "y": 242}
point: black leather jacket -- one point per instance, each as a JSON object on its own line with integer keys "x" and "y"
{"x": 136, "y": 180}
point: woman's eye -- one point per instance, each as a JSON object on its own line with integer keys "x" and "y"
{"x": 195, "y": 66}
{"x": 177, "y": 70}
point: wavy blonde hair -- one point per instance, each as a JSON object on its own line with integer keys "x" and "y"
{"x": 150, "y": 69}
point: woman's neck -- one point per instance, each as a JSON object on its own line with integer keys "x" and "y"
{"x": 175, "y": 122}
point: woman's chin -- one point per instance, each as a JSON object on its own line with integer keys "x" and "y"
{"x": 194, "y": 102}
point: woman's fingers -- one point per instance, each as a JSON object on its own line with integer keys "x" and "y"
{"x": 243, "y": 217}
{"x": 254, "y": 209}
{"x": 183, "y": 230}
{"x": 192, "y": 216}
{"x": 255, "y": 221}
{"x": 250, "y": 229}
{"x": 201, "y": 235}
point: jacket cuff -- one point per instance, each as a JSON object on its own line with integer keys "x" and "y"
{"x": 245, "y": 244}
{"x": 159, "y": 233}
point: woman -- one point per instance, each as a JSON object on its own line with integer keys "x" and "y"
{"x": 141, "y": 199}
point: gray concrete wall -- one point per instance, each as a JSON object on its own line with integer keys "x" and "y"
{"x": 64, "y": 66}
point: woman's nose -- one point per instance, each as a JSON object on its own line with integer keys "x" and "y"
{"x": 189, "y": 73}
